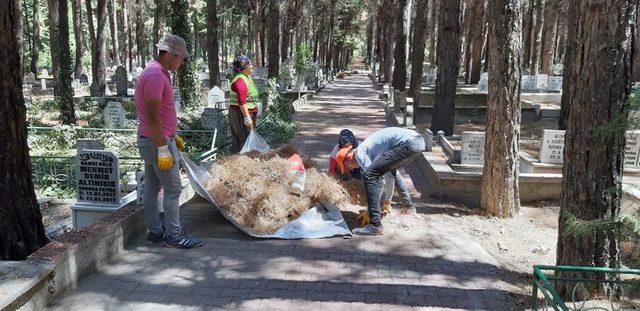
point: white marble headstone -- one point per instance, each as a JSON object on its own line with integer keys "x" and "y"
{"x": 483, "y": 84}
{"x": 114, "y": 115}
{"x": 552, "y": 146}
{"x": 472, "y": 150}
{"x": 542, "y": 81}
{"x": 529, "y": 82}
{"x": 216, "y": 95}
{"x": 43, "y": 84}
{"x": 632, "y": 149}
{"x": 555, "y": 83}
{"x": 98, "y": 177}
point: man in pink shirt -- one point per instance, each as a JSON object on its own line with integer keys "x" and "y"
{"x": 159, "y": 144}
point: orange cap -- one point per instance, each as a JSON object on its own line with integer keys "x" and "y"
{"x": 340, "y": 156}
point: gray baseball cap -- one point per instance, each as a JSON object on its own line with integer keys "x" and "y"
{"x": 174, "y": 45}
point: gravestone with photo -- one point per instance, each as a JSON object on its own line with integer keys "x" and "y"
{"x": 552, "y": 146}
{"x": 121, "y": 81}
{"x": 472, "y": 150}
{"x": 114, "y": 115}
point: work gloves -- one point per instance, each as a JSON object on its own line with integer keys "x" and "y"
{"x": 165, "y": 160}
{"x": 363, "y": 218}
{"x": 248, "y": 122}
{"x": 179, "y": 142}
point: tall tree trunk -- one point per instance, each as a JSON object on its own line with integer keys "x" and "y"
{"x": 379, "y": 50}
{"x": 596, "y": 88}
{"x": 140, "y": 36}
{"x": 186, "y": 75}
{"x": 113, "y": 26}
{"x": 500, "y": 193}
{"x": 92, "y": 40}
{"x": 52, "y": 13}
{"x": 477, "y": 39}
{"x": 35, "y": 45}
{"x": 369, "y": 43}
{"x": 388, "y": 29}
{"x": 448, "y": 62}
{"x": 157, "y": 16}
{"x": 400, "y": 51}
{"x": 636, "y": 58}
{"x": 274, "y": 38}
{"x": 76, "y": 7}
{"x": 263, "y": 32}
{"x": 537, "y": 48}
{"x": 21, "y": 229}
{"x": 433, "y": 29}
{"x": 126, "y": 29}
{"x": 330, "y": 39}
{"x": 255, "y": 15}
{"x": 548, "y": 36}
{"x": 64, "y": 75}
{"x": 527, "y": 33}
{"x": 99, "y": 52}
{"x": 293, "y": 13}
{"x": 418, "y": 42}
{"x": 212, "y": 43}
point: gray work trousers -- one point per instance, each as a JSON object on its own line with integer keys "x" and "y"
{"x": 154, "y": 179}
{"x": 387, "y": 162}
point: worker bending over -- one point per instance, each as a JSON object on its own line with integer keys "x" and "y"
{"x": 383, "y": 151}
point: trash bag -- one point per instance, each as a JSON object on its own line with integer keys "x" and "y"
{"x": 255, "y": 142}
{"x": 297, "y": 168}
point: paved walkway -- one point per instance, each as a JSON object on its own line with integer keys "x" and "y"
{"x": 418, "y": 264}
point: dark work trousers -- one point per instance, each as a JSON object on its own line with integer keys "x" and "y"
{"x": 388, "y": 161}
{"x": 239, "y": 131}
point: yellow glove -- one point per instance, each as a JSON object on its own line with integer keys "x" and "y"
{"x": 165, "y": 160}
{"x": 179, "y": 142}
{"x": 363, "y": 217}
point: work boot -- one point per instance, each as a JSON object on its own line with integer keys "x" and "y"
{"x": 369, "y": 229}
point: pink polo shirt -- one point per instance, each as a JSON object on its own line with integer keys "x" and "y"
{"x": 154, "y": 83}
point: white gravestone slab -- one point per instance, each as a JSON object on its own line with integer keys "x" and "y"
{"x": 216, "y": 95}
{"x": 555, "y": 83}
{"x": 542, "y": 82}
{"x": 483, "y": 84}
{"x": 632, "y": 149}
{"x": 529, "y": 82}
{"x": 552, "y": 147}
{"x": 30, "y": 78}
{"x": 98, "y": 178}
{"x": 209, "y": 119}
{"x": 472, "y": 151}
{"x": 114, "y": 116}
{"x": 43, "y": 84}
{"x": 45, "y": 73}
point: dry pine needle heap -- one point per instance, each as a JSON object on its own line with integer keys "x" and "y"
{"x": 255, "y": 189}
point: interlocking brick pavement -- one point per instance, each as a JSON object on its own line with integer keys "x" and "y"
{"x": 433, "y": 268}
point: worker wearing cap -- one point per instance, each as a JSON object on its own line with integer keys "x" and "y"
{"x": 244, "y": 97}
{"x": 393, "y": 178}
{"x": 383, "y": 151}
{"x": 159, "y": 144}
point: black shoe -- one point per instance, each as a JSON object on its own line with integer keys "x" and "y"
{"x": 156, "y": 238}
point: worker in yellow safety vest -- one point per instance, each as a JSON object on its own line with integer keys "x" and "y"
{"x": 244, "y": 97}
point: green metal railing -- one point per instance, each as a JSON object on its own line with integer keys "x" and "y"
{"x": 543, "y": 283}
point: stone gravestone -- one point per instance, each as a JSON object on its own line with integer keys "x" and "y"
{"x": 215, "y": 97}
{"x": 30, "y": 78}
{"x": 632, "y": 149}
{"x": 92, "y": 144}
{"x": 45, "y": 73}
{"x": 121, "y": 81}
{"x": 483, "y": 83}
{"x": 529, "y": 83}
{"x": 98, "y": 178}
{"x": 260, "y": 83}
{"x": 209, "y": 118}
{"x": 114, "y": 116}
{"x": 84, "y": 79}
{"x": 542, "y": 81}
{"x": 261, "y": 72}
{"x": 552, "y": 147}
{"x": 472, "y": 150}
{"x": 43, "y": 84}
{"x": 94, "y": 89}
{"x": 555, "y": 83}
